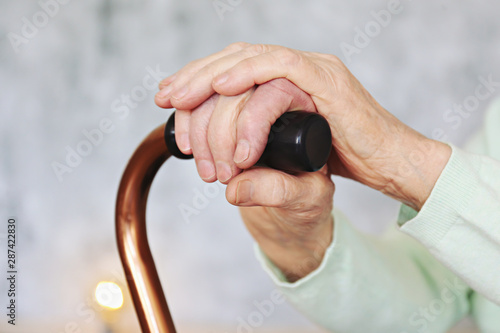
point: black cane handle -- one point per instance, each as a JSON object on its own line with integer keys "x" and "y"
{"x": 298, "y": 141}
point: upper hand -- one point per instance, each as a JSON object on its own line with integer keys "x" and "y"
{"x": 370, "y": 144}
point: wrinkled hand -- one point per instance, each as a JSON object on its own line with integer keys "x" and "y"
{"x": 288, "y": 215}
{"x": 370, "y": 145}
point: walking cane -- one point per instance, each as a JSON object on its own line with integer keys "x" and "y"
{"x": 299, "y": 141}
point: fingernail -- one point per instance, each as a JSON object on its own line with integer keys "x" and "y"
{"x": 180, "y": 93}
{"x": 206, "y": 169}
{"x": 223, "y": 172}
{"x": 221, "y": 79}
{"x": 165, "y": 91}
{"x": 242, "y": 151}
{"x": 244, "y": 191}
{"x": 183, "y": 142}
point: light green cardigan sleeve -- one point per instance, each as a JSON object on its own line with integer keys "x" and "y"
{"x": 460, "y": 222}
{"x": 464, "y": 234}
{"x": 413, "y": 281}
{"x": 387, "y": 284}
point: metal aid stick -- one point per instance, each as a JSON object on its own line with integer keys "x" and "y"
{"x": 142, "y": 278}
{"x": 300, "y": 141}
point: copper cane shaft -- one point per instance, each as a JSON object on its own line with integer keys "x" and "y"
{"x": 142, "y": 278}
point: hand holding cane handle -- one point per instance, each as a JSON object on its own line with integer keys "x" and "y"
{"x": 298, "y": 141}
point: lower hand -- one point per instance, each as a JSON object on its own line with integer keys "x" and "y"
{"x": 288, "y": 215}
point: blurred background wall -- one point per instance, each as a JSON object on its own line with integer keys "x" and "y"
{"x": 67, "y": 67}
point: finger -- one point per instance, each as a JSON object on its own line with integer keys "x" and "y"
{"x": 182, "y": 131}
{"x": 264, "y": 107}
{"x": 180, "y": 78}
{"x": 222, "y": 134}
{"x": 199, "y": 120}
{"x": 166, "y": 81}
{"x": 310, "y": 72}
{"x": 165, "y": 87}
{"x": 162, "y": 102}
{"x": 199, "y": 86}
{"x": 272, "y": 188}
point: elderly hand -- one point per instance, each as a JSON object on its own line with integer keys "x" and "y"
{"x": 288, "y": 215}
{"x": 370, "y": 145}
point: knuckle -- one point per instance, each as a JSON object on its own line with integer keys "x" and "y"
{"x": 212, "y": 134}
{"x": 322, "y": 185}
{"x": 289, "y": 57}
{"x": 258, "y": 48}
{"x": 197, "y": 136}
{"x": 209, "y": 69}
{"x": 323, "y": 195}
{"x": 190, "y": 68}
{"x": 218, "y": 140}
{"x": 237, "y": 46}
{"x": 328, "y": 189}
{"x": 333, "y": 58}
{"x": 280, "y": 194}
{"x": 335, "y": 64}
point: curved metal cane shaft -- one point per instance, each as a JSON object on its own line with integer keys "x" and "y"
{"x": 140, "y": 271}
{"x": 301, "y": 142}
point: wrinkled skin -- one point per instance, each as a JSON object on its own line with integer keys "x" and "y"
{"x": 226, "y": 104}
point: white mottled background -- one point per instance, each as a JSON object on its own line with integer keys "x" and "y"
{"x": 64, "y": 78}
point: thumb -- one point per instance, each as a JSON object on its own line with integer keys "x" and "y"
{"x": 273, "y": 188}
{"x": 269, "y": 101}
